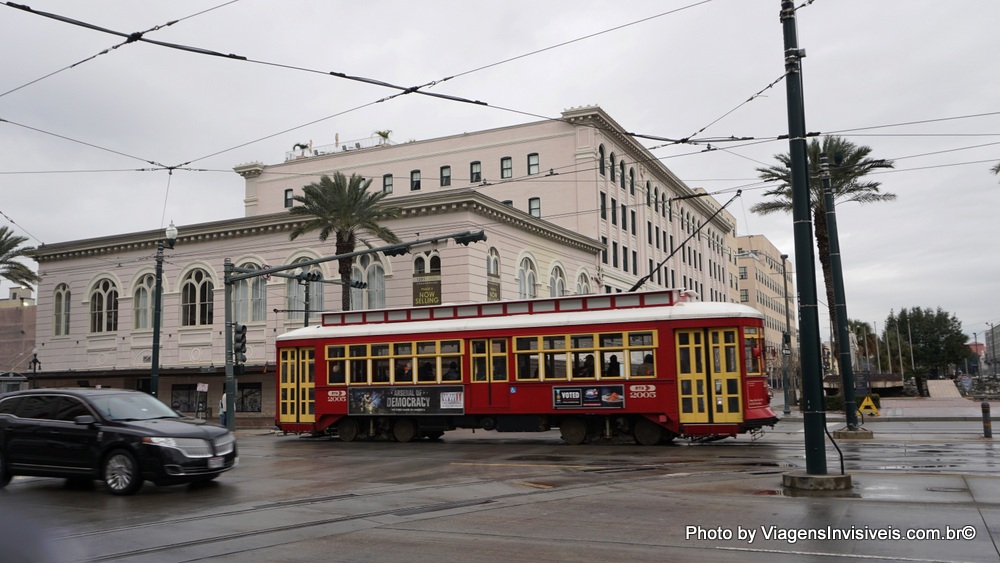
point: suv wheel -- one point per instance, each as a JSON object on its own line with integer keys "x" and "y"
{"x": 4, "y": 474}
{"x": 121, "y": 473}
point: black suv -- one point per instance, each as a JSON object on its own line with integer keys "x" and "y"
{"x": 119, "y": 436}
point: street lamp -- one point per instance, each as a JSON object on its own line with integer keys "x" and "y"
{"x": 786, "y": 346}
{"x": 154, "y": 374}
{"x": 35, "y": 364}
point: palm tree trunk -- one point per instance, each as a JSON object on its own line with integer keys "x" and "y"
{"x": 344, "y": 246}
{"x": 823, "y": 246}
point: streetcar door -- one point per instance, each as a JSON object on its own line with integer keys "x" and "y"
{"x": 725, "y": 373}
{"x": 490, "y": 373}
{"x": 296, "y": 385}
{"x": 692, "y": 392}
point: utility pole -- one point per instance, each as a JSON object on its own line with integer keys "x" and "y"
{"x": 786, "y": 346}
{"x": 814, "y": 415}
{"x": 839, "y": 295}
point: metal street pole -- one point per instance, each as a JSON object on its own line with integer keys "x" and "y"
{"x": 814, "y": 415}
{"x": 230, "y": 387}
{"x": 786, "y": 347}
{"x": 993, "y": 349}
{"x": 154, "y": 372}
{"x": 840, "y": 297}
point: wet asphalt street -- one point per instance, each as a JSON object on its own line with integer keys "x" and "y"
{"x": 923, "y": 491}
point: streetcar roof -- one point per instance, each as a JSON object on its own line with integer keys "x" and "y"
{"x": 679, "y": 311}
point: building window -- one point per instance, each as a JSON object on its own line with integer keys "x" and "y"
{"x": 604, "y": 251}
{"x": 535, "y": 206}
{"x": 142, "y": 302}
{"x": 506, "y": 167}
{"x": 743, "y": 272}
{"x": 624, "y": 222}
{"x": 414, "y": 180}
{"x": 104, "y": 307}
{"x": 445, "y": 176}
{"x": 557, "y": 283}
{"x": 614, "y": 254}
{"x": 625, "y": 258}
{"x": 635, "y": 263}
{"x": 368, "y": 269}
{"x": 621, "y": 168}
{"x": 508, "y": 202}
{"x": 249, "y": 298}
{"x": 475, "y": 172}
{"x": 527, "y": 278}
{"x": 295, "y": 295}
{"x": 184, "y": 397}
{"x": 387, "y": 184}
{"x": 614, "y": 211}
{"x": 533, "y": 163}
{"x": 600, "y": 160}
{"x": 248, "y": 397}
{"x": 604, "y": 206}
{"x": 288, "y": 198}
{"x": 611, "y": 163}
{"x": 744, "y": 295}
{"x": 197, "y": 299}
{"x": 649, "y": 194}
{"x": 582, "y": 284}
{"x": 631, "y": 181}
{"x": 61, "y": 317}
{"x": 493, "y": 263}
{"x": 632, "y": 213}
{"x": 657, "y": 235}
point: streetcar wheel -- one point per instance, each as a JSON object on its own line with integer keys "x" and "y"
{"x": 573, "y": 430}
{"x": 647, "y": 432}
{"x": 404, "y": 430}
{"x": 347, "y": 429}
{"x": 121, "y": 473}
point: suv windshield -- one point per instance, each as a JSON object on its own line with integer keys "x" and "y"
{"x": 132, "y": 407}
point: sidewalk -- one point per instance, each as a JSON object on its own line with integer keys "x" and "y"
{"x": 910, "y": 409}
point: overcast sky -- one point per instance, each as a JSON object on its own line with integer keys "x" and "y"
{"x": 916, "y": 80}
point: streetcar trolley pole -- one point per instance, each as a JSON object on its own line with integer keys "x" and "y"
{"x": 232, "y": 274}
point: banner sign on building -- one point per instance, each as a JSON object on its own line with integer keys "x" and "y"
{"x": 448, "y": 399}
{"x": 589, "y": 397}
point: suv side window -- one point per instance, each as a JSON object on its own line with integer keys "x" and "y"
{"x": 68, "y": 408}
{"x": 9, "y": 406}
{"x": 35, "y": 406}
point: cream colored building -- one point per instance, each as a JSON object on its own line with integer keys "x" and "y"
{"x": 574, "y": 205}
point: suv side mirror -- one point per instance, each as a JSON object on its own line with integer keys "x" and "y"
{"x": 84, "y": 419}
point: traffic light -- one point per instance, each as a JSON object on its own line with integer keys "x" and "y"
{"x": 312, "y": 276}
{"x": 469, "y": 237}
{"x": 358, "y": 284}
{"x": 239, "y": 343}
{"x": 396, "y": 250}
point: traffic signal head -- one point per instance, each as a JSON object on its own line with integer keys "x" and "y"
{"x": 396, "y": 250}
{"x": 239, "y": 342}
{"x": 470, "y": 237}
{"x": 312, "y": 276}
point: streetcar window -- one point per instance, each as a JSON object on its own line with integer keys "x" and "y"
{"x": 527, "y": 365}
{"x": 555, "y": 365}
{"x": 612, "y": 340}
{"x": 359, "y": 351}
{"x": 403, "y": 370}
{"x": 426, "y": 347}
{"x": 451, "y": 346}
{"x": 452, "y": 367}
{"x": 582, "y": 341}
{"x": 554, "y": 343}
{"x": 499, "y": 368}
{"x": 427, "y": 372}
{"x": 479, "y": 369}
{"x": 641, "y": 363}
{"x": 403, "y": 349}
{"x": 751, "y": 350}
{"x": 684, "y": 357}
{"x": 335, "y": 372}
{"x": 526, "y": 344}
{"x": 583, "y": 366}
{"x": 359, "y": 371}
{"x": 611, "y": 364}
{"x": 636, "y": 339}
{"x": 380, "y": 369}
{"x": 479, "y": 347}
{"x": 380, "y": 349}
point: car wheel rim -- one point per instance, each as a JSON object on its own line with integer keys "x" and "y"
{"x": 118, "y": 473}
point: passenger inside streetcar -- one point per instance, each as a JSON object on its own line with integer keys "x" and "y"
{"x": 647, "y": 365}
{"x": 426, "y": 372}
{"x": 613, "y": 368}
{"x": 587, "y": 370}
{"x": 451, "y": 374}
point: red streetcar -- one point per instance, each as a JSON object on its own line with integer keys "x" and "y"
{"x": 653, "y": 365}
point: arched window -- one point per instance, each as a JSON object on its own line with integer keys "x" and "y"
{"x": 583, "y": 284}
{"x": 197, "y": 298}
{"x": 249, "y": 298}
{"x": 427, "y": 264}
{"x": 649, "y": 194}
{"x": 631, "y": 181}
{"x": 600, "y": 160}
{"x": 493, "y": 263}
{"x": 61, "y": 298}
{"x": 142, "y": 302}
{"x": 104, "y": 306}
{"x": 527, "y": 278}
{"x": 611, "y": 161}
{"x": 295, "y": 294}
{"x": 370, "y": 270}
{"x": 621, "y": 178}
{"x": 557, "y": 282}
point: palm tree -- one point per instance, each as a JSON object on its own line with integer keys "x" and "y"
{"x": 996, "y": 169}
{"x": 384, "y": 135}
{"x": 845, "y": 181}
{"x": 10, "y": 251}
{"x": 344, "y": 208}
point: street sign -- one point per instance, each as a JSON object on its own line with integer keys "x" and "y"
{"x": 203, "y": 387}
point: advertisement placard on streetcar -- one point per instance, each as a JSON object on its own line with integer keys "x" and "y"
{"x": 589, "y": 397}
{"x": 448, "y": 399}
